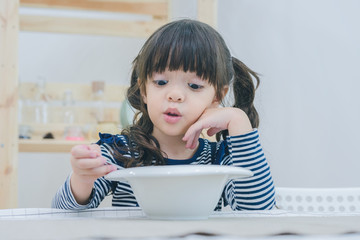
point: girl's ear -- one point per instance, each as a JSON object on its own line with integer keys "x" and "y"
{"x": 143, "y": 95}
{"x": 225, "y": 91}
{"x": 216, "y": 102}
{"x": 144, "y": 98}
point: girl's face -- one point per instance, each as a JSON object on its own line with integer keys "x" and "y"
{"x": 175, "y": 100}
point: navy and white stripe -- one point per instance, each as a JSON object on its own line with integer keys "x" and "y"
{"x": 255, "y": 193}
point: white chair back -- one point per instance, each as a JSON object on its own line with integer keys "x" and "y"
{"x": 318, "y": 199}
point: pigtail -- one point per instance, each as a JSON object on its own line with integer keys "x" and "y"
{"x": 244, "y": 90}
{"x": 244, "y": 93}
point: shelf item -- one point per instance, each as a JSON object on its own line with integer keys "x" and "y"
{"x": 80, "y": 102}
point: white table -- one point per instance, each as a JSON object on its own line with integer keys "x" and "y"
{"x": 120, "y": 223}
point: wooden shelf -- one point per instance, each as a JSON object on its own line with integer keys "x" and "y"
{"x": 49, "y": 145}
{"x": 84, "y": 114}
{"x": 12, "y": 22}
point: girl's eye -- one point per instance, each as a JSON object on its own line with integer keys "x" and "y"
{"x": 160, "y": 82}
{"x": 195, "y": 86}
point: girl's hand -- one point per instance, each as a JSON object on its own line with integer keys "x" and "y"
{"x": 87, "y": 165}
{"x": 216, "y": 120}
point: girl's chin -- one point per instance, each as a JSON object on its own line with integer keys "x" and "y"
{"x": 170, "y": 133}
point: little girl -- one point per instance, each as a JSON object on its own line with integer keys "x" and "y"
{"x": 180, "y": 77}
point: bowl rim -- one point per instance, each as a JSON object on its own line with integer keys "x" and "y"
{"x": 178, "y": 171}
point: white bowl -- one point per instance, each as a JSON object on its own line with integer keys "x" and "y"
{"x": 180, "y": 191}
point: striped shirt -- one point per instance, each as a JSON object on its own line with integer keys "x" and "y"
{"x": 254, "y": 193}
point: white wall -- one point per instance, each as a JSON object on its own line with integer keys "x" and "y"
{"x": 40, "y": 175}
{"x": 307, "y": 53}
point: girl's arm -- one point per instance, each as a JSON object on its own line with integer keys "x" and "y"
{"x": 85, "y": 187}
{"x": 65, "y": 199}
{"x": 256, "y": 192}
{"x": 245, "y": 151}
{"x": 215, "y": 120}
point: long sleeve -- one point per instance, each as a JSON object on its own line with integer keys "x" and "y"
{"x": 64, "y": 198}
{"x": 256, "y": 192}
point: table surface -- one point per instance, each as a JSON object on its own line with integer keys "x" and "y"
{"x": 119, "y": 223}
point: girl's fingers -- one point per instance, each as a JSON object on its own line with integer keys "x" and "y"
{"x": 95, "y": 148}
{"x": 85, "y": 151}
{"x": 213, "y": 122}
{"x": 96, "y": 172}
{"x": 192, "y": 139}
{"x": 89, "y": 163}
{"x": 193, "y": 133}
{"x": 107, "y": 169}
{"x": 193, "y": 129}
{"x": 213, "y": 131}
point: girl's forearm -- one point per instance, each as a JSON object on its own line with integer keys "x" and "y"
{"x": 239, "y": 123}
{"x": 81, "y": 189}
{"x": 256, "y": 192}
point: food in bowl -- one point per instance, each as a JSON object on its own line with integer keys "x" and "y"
{"x": 178, "y": 191}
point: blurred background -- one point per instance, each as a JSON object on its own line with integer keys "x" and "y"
{"x": 307, "y": 53}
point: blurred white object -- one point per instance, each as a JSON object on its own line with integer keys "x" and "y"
{"x": 127, "y": 113}
{"x": 318, "y": 199}
{"x": 98, "y": 89}
{"x": 68, "y": 104}
{"x": 180, "y": 191}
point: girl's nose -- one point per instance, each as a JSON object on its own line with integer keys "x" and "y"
{"x": 175, "y": 96}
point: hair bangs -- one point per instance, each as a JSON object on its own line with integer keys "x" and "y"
{"x": 186, "y": 47}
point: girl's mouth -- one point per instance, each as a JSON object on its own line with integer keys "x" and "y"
{"x": 172, "y": 115}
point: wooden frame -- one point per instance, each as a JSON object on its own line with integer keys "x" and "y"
{"x": 158, "y": 10}
{"x": 9, "y": 27}
{"x": 10, "y": 24}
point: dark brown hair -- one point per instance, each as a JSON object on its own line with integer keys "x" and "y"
{"x": 187, "y": 45}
